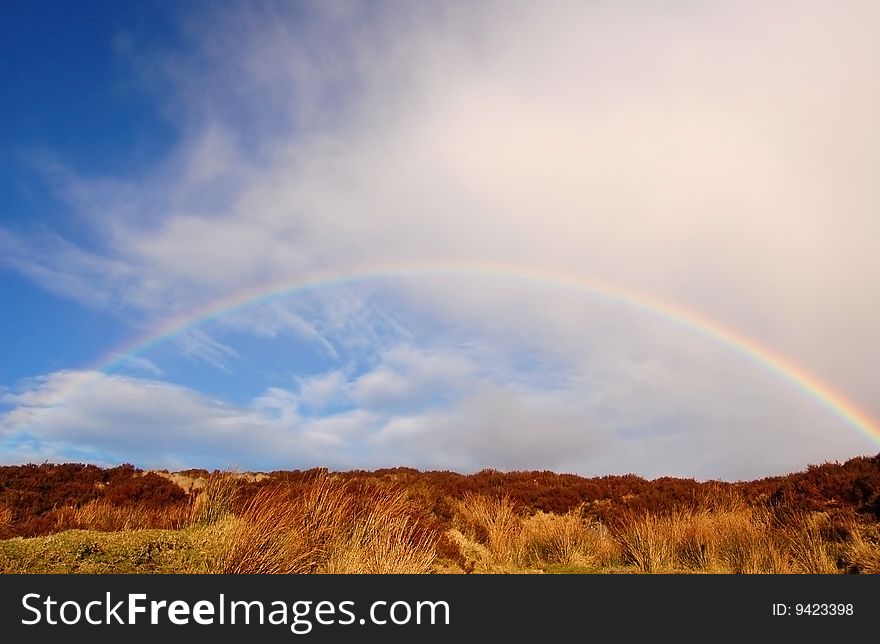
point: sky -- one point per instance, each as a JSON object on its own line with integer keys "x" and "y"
{"x": 588, "y": 237}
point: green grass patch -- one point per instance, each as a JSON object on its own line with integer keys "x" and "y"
{"x": 91, "y": 552}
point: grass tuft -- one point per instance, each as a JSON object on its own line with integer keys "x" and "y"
{"x": 324, "y": 527}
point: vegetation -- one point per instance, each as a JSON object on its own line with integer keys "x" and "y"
{"x": 80, "y": 518}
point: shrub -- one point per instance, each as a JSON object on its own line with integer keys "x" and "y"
{"x": 149, "y": 490}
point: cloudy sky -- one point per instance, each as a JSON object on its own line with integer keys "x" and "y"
{"x": 508, "y": 216}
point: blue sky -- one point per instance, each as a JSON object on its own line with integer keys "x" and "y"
{"x": 159, "y": 160}
{"x": 67, "y": 82}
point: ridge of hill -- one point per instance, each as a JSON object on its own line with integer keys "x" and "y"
{"x": 33, "y": 498}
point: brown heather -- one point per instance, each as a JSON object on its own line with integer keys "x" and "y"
{"x": 823, "y": 520}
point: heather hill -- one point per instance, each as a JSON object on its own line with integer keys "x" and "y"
{"x": 35, "y": 498}
{"x": 82, "y": 518}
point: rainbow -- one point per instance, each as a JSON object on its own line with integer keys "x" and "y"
{"x": 782, "y": 366}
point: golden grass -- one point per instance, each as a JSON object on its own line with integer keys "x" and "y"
{"x": 809, "y": 549}
{"x": 723, "y": 535}
{"x": 5, "y": 516}
{"x": 733, "y": 540}
{"x": 736, "y": 539}
{"x": 328, "y": 525}
{"x": 647, "y": 542}
{"x": 323, "y": 528}
{"x": 492, "y": 522}
{"x": 106, "y": 517}
{"x": 567, "y": 540}
{"x": 862, "y": 551}
{"x": 535, "y": 541}
{"x": 216, "y": 498}
{"x": 743, "y": 541}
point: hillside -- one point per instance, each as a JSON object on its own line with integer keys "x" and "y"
{"x": 823, "y": 519}
{"x": 35, "y": 498}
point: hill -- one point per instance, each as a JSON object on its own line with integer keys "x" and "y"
{"x": 823, "y": 519}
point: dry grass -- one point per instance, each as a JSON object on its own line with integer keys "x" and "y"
{"x": 328, "y": 525}
{"x": 862, "y": 552}
{"x": 536, "y": 541}
{"x": 808, "y": 547}
{"x": 5, "y": 516}
{"x": 647, "y": 542}
{"x": 492, "y": 522}
{"x": 734, "y": 539}
{"x": 215, "y": 500}
{"x": 553, "y": 538}
{"x": 103, "y": 516}
{"x": 382, "y": 536}
{"x": 324, "y": 528}
{"x": 567, "y": 540}
{"x": 743, "y": 541}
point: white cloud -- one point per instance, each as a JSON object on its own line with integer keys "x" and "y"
{"x": 723, "y": 156}
{"x": 649, "y": 419}
{"x": 201, "y": 346}
{"x": 409, "y": 376}
{"x": 319, "y": 391}
{"x": 65, "y": 269}
{"x": 156, "y": 424}
{"x": 140, "y": 364}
